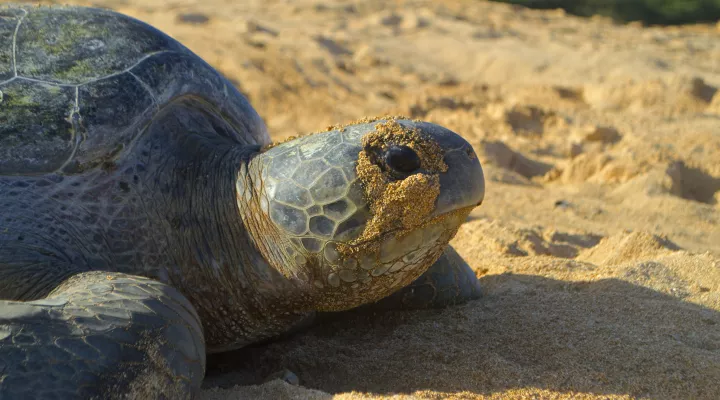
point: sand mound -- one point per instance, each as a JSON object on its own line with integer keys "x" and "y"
{"x": 597, "y": 244}
{"x": 631, "y": 247}
{"x": 676, "y": 95}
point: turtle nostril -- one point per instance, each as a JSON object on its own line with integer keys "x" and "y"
{"x": 402, "y": 159}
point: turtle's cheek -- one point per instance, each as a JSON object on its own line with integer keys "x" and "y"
{"x": 463, "y": 184}
{"x": 410, "y": 249}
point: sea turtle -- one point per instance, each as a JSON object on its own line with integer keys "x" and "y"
{"x": 148, "y": 220}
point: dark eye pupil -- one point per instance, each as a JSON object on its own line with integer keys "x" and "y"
{"x": 402, "y": 159}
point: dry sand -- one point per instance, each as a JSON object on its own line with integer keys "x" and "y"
{"x": 598, "y": 243}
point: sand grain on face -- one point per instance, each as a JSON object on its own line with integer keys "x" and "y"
{"x": 598, "y": 242}
{"x": 398, "y": 205}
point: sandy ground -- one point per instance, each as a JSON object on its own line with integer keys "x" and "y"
{"x": 598, "y": 243}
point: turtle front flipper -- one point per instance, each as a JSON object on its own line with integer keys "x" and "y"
{"x": 449, "y": 281}
{"x": 102, "y": 335}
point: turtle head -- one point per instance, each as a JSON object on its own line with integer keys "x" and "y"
{"x": 360, "y": 211}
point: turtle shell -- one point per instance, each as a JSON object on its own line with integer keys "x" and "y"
{"x": 78, "y": 86}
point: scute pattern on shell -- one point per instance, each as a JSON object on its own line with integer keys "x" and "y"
{"x": 77, "y": 86}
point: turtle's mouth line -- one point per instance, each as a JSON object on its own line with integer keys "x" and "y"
{"x": 387, "y": 234}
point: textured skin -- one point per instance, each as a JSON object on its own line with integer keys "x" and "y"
{"x": 125, "y": 252}
{"x": 448, "y": 282}
{"x": 101, "y": 335}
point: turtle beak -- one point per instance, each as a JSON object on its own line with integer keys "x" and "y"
{"x": 463, "y": 184}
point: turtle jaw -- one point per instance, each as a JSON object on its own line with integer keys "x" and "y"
{"x": 392, "y": 261}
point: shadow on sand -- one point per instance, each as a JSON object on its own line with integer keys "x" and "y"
{"x": 602, "y": 337}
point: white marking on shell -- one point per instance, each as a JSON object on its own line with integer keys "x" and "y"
{"x": 92, "y": 80}
{"x": 14, "y": 41}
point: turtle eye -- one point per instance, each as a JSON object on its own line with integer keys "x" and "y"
{"x": 402, "y": 159}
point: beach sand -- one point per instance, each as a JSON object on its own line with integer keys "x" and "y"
{"x": 598, "y": 243}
